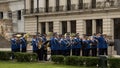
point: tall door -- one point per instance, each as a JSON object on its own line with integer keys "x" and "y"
{"x": 99, "y": 26}
{"x": 43, "y": 28}
{"x": 73, "y": 26}
{"x": 89, "y": 27}
{"x": 117, "y": 35}
{"x": 117, "y": 28}
{"x": 64, "y": 27}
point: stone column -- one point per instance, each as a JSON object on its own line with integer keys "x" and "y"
{"x": 68, "y": 26}
{"x": 56, "y": 27}
{"x": 93, "y": 26}
{"x": 47, "y": 27}
{"x": 81, "y": 27}
{"x": 39, "y": 28}
{"x": 108, "y": 26}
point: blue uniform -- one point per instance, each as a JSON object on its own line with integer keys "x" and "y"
{"x": 77, "y": 42}
{"x": 35, "y": 45}
{"x": 76, "y": 47}
{"x": 94, "y": 47}
{"x": 101, "y": 42}
{"x": 102, "y": 45}
{"x": 63, "y": 44}
{"x": 18, "y": 45}
{"x": 63, "y": 47}
{"x": 24, "y": 44}
{"x": 86, "y": 48}
{"x": 94, "y": 43}
{"x": 55, "y": 46}
{"x": 69, "y": 45}
{"x": 13, "y": 45}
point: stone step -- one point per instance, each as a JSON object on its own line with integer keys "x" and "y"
{"x": 4, "y": 43}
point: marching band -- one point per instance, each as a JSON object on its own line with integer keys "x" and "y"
{"x": 66, "y": 45}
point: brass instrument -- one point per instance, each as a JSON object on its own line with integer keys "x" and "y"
{"x": 40, "y": 44}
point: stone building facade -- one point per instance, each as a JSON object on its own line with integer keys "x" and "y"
{"x": 75, "y": 16}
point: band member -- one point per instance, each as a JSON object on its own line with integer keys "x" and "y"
{"x": 34, "y": 44}
{"x": 94, "y": 46}
{"x": 69, "y": 41}
{"x": 44, "y": 40}
{"x": 23, "y": 43}
{"x": 85, "y": 46}
{"x": 40, "y": 47}
{"x": 101, "y": 43}
{"x": 13, "y": 44}
{"x": 77, "y": 44}
{"x": 18, "y": 44}
{"x": 54, "y": 44}
{"x": 105, "y": 48}
{"x": 73, "y": 47}
{"x": 60, "y": 49}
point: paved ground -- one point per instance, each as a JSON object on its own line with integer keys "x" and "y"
{"x": 5, "y": 49}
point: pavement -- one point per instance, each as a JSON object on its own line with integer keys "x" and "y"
{"x": 5, "y": 49}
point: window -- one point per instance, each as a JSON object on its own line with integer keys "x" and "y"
{"x": 10, "y": 14}
{"x": 89, "y": 27}
{"x": 93, "y": 3}
{"x": 68, "y": 4}
{"x": 50, "y": 26}
{"x": 73, "y": 26}
{"x": 37, "y": 6}
{"x": 32, "y": 6}
{"x": 43, "y": 28}
{"x": 99, "y": 25}
{"x": 1, "y": 15}
{"x": 80, "y": 4}
{"x": 19, "y": 15}
{"x": 57, "y": 5}
{"x": 108, "y": 0}
{"x": 64, "y": 27}
{"x": 46, "y": 5}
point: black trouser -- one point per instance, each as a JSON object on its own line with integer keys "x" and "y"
{"x": 40, "y": 53}
{"x": 77, "y": 51}
{"x": 54, "y": 52}
{"x": 73, "y": 51}
{"x": 101, "y": 51}
{"x": 94, "y": 51}
{"x": 36, "y": 51}
{"x": 13, "y": 51}
{"x": 45, "y": 55}
{"x": 24, "y": 50}
{"x": 87, "y": 52}
{"x": 68, "y": 52}
{"x": 64, "y": 52}
{"x": 83, "y": 52}
{"x": 105, "y": 51}
{"x": 18, "y": 49}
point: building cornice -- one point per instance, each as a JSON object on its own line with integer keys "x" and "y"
{"x": 7, "y": 1}
{"x": 88, "y": 11}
